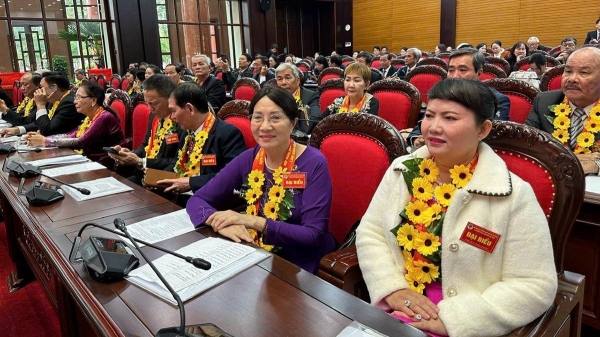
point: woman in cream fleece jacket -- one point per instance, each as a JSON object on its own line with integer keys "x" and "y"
{"x": 483, "y": 293}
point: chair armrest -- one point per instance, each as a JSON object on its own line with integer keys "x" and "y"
{"x": 341, "y": 269}
{"x": 563, "y": 318}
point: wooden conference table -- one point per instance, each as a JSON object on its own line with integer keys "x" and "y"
{"x": 273, "y": 298}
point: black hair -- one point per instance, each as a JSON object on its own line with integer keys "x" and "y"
{"x": 376, "y": 47}
{"x": 441, "y": 47}
{"x": 337, "y": 59}
{"x": 367, "y": 56}
{"x": 161, "y": 83}
{"x": 155, "y": 69}
{"x": 473, "y": 95}
{"x": 58, "y": 79}
{"x": 263, "y": 60}
{"x": 280, "y": 97}
{"x": 141, "y": 74}
{"x": 498, "y": 42}
{"x": 178, "y": 67}
{"x": 36, "y": 79}
{"x": 249, "y": 57}
{"x": 539, "y": 59}
{"x": 322, "y": 60}
{"x": 274, "y": 57}
{"x": 192, "y": 93}
{"x": 481, "y": 44}
{"x": 96, "y": 92}
{"x": 478, "y": 58}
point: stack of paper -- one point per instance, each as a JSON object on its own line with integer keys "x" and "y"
{"x": 226, "y": 257}
{"x": 98, "y": 188}
{"x": 71, "y": 169}
{"x": 72, "y": 159}
{"x": 162, "y": 227}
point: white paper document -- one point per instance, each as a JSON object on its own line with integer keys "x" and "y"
{"x": 592, "y": 184}
{"x": 9, "y": 139}
{"x": 71, "y": 169}
{"x": 356, "y": 329}
{"x": 98, "y": 188}
{"x": 72, "y": 159}
{"x": 227, "y": 259}
{"x": 162, "y": 227}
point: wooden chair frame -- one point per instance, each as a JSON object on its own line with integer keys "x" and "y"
{"x": 434, "y": 61}
{"x": 402, "y": 87}
{"x": 328, "y": 71}
{"x": 247, "y": 82}
{"x": 499, "y": 62}
{"x": 549, "y": 75}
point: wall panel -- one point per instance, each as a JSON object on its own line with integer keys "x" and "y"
{"x": 395, "y": 24}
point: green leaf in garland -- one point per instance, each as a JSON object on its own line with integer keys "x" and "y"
{"x": 550, "y": 119}
{"x": 436, "y": 226}
{"x": 396, "y": 229}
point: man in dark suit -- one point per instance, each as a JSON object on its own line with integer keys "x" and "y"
{"x": 214, "y": 87}
{"x": 336, "y": 61}
{"x": 25, "y": 112}
{"x": 55, "y": 112}
{"x": 581, "y": 87}
{"x": 288, "y": 78}
{"x": 264, "y": 73}
{"x": 412, "y": 57}
{"x": 161, "y": 132}
{"x": 243, "y": 70}
{"x": 189, "y": 108}
{"x": 594, "y": 35}
{"x": 534, "y": 45}
{"x": 386, "y": 65}
{"x": 467, "y": 63}
{"x": 567, "y": 45}
{"x": 366, "y": 58}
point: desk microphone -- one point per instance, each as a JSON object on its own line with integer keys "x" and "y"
{"x": 18, "y": 169}
{"x": 79, "y": 189}
{"x": 120, "y": 225}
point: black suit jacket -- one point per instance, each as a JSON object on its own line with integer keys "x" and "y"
{"x": 591, "y": 35}
{"x": 389, "y": 73}
{"x": 215, "y": 92}
{"x": 18, "y": 118}
{"x": 311, "y": 99}
{"x": 537, "y": 116}
{"x": 65, "y": 119}
{"x": 167, "y": 154}
{"x": 226, "y": 142}
{"x": 230, "y": 77}
{"x": 401, "y": 73}
{"x": 269, "y": 76}
{"x": 375, "y": 76}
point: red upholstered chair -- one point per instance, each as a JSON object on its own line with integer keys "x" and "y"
{"x": 115, "y": 81}
{"x": 398, "y": 63}
{"x": 17, "y": 93}
{"x": 551, "y": 79}
{"x": 434, "y": 61}
{"x": 245, "y": 88}
{"x": 520, "y": 93}
{"x": 424, "y": 77}
{"x": 399, "y": 102}
{"x": 329, "y": 91}
{"x": 347, "y": 60}
{"x": 235, "y": 112}
{"x": 374, "y": 144}
{"x": 424, "y": 55}
{"x": 500, "y": 63}
{"x": 93, "y": 78}
{"x": 124, "y": 83}
{"x": 558, "y": 182}
{"x": 554, "y": 50}
{"x": 120, "y": 102}
{"x": 376, "y": 63}
{"x": 491, "y": 71}
{"x": 139, "y": 122}
{"x": 270, "y": 82}
{"x": 523, "y": 65}
{"x": 329, "y": 73}
{"x": 445, "y": 57}
{"x": 303, "y": 66}
{"x": 101, "y": 81}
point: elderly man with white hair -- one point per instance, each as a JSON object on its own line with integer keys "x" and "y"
{"x": 534, "y": 44}
{"x": 214, "y": 87}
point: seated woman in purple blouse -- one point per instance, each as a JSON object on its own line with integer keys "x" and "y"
{"x": 100, "y": 127}
{"x": 286, "y": 187}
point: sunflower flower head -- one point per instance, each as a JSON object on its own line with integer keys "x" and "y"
{"x": 408, "y": 259}
{"x": 414, "y": 283}
{"x": 460, "y": 175}
{"x": 276, "y": 193}
{"x": 595, "y": 112}
{"x": 562, "y": 135}
{"x": 278, "y": 174}
{"x": 436, "y": 209}
{"x": 201, "y": 136}
{"x": 406, "y": 236}
{"x": 422, "y": 189}
{"x": 592, "y": 125}
{"x": 444, "y": 194}
{"x": 425, "y": 272}
{"x": 562, "y": 122}
{"x": 416, "y": 211}
{"x": 429, "y": 170}
{"x": 427, "y": 243}
{"x": 252, "y": 195}
{"x": 251, "y": 210}
{"x": 270, "y": 210}
{"x": 562, "y": 109}
{"x": 256, "y": 178}
{"x": 585, "y": 139}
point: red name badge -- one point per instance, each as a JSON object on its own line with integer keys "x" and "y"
{"x": 209, "y": 160}
{"x": 294, "y": 180}
{"x": 172, "y": 138}
{"x": 480, "y": 237}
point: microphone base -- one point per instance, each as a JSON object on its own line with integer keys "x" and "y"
{"x": 42, "y": 194}
{"x": 198, "y": 330}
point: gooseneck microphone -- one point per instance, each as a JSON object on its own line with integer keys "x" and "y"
{"x": 18, "y": 169}
{"x": 79, "y": 189}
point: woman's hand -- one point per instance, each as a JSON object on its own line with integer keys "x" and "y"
{"x": 433, "y": 325}
{"x": 35, "y": 139}
{"x": 411, "y": 303}
{"x": 237, "y": 233}
{"x": 223, "y": 219}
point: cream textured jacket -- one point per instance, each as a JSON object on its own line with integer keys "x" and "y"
{"x": 484, "y": 294}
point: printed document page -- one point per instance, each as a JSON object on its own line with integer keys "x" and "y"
{"x": 72, "y": 159}
{"x": 98, "y": 188}
{"x": 161, "y": 227}
{"x": 71, "y": 169}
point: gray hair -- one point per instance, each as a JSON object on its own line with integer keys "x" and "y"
{"x": 286, "y": 66}
{"x": 533, "y": 39}
{"x": 416, "y": 52}
{"x": 206, "y": 58}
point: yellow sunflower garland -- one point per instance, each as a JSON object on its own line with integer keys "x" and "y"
{"x": 26, "y": 106}
{"x": 418, "y": 233}
{"x": 562, "y": 121}
{"x": 85, "y": 125}
{"x": 157, "y": 136}
{"x": 55, "y": 105}
{"x": 280, "y": 200}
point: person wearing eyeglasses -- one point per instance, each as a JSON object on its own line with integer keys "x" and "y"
{"x": 100, "y": 127}
{"x": 534, "y": 45}
{"x": 567, "y": 45}
{"x": 56, "y": 113}
{"x": 285, "y": 186}
{"x": 24, "y": 113}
